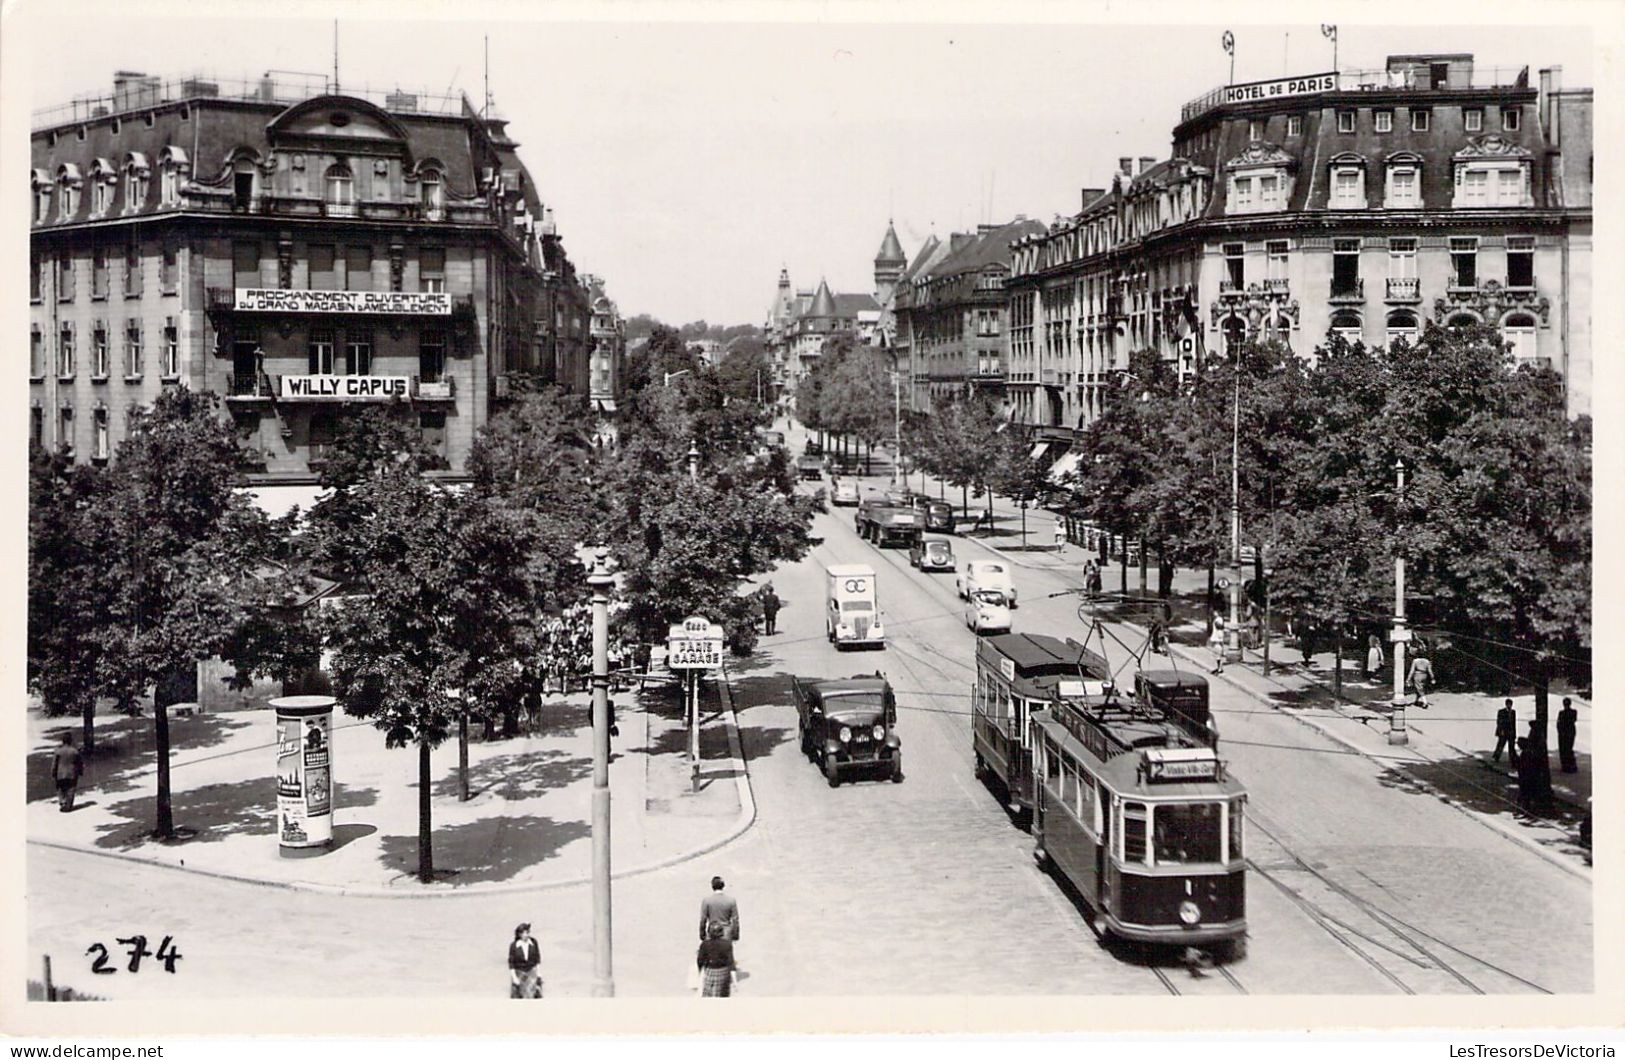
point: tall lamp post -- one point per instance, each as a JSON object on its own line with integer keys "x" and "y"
{"x": 1232, "y": 635}
{"x": 1402, "y": 634}
{"x": 691, "y": 678}
{"x": 896, "y": 426}
{"x": 603, "y": 962}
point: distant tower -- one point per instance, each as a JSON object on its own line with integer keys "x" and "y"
{"x": 889, "y": 265}
{"x": 784, "y": 302}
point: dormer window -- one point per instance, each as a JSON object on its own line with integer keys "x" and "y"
{"x": 137, "y": 174}
{"x": 1383, "y": 120}
{"x": 1294, "y": 125}
{"x": 172, "y": 166}
{"x": 1348, "y": 182}
{"x": 1510, "y": 117}
{"x": 1472, "y": 119}
{"x": 1404, "y": 185}
{"x": 340, "y": 190}
{"x": 68, "y": 181}
{"x": 1260, "y": 180}
{"x": 1345, "y": 121}
{"x": 42, "y": 196}
{"x": 432, "y": 192}
{"x": 102, "y": 181}
{"x": 1492, "y": 172}
{"x": 1420, "y": 120}
{"x": 1255, "y": 129}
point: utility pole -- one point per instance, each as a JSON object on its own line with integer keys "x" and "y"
{"x": 896, "y": 425}
{"x": 1232, "y": 635}
{"x": 1402, "y": 635}
{"x": 603, "y": 961}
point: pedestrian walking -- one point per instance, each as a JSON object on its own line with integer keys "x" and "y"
{"x": 770, "y": 609}
{"x": 715, "y": 961}
{"x": 1506, "y": 733}
{"x": 1375, "y": 660}
{"x": 1566, "y": 720}
{"x": 1215, "y": 644}
{"x": 719, "y": 908}
{"x": 1060, "y": 537}
{"x": 524, "y": 961}
{"x": 66, "y": 768}
{"x": 1421, "y": 677}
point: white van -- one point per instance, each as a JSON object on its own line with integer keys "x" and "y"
{"x": 851, "y": 606}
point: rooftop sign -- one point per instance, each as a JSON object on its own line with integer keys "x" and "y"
{"x": 1302, "y": 85}
{"x": 400, "y": 303}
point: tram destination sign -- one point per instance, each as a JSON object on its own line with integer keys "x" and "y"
{"x": 393, "y": 303}
{"x": 1182, "y": 763}
{"x": 345, "y": 388}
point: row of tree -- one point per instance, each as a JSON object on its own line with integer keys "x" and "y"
{"x": 141, "y": 570}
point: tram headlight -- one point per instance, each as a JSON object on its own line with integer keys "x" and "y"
{"x": 846, "y": 734}
{"x": 1189, "y": 913}
{"x": 880, "y": 732}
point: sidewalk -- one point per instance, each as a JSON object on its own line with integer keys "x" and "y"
{"x": 524, "y": 827}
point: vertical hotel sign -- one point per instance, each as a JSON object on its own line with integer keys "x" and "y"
{"x": 304, "y": 773}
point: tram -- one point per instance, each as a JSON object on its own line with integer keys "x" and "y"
{"x": 1140, "y": 816}
{"x": 1017, "y": 675}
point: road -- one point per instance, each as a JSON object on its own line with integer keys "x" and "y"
{"x": 1358, "y": 885}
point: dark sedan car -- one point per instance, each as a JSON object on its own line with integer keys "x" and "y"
{"x": 931, "y": 554}
{"x": 939, "y": 515}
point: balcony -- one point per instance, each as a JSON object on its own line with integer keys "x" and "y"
{"x": 1404, "y": 290}
{"x": 248, "y": 386}
{"x": 1347, "y": 292}
{"x": 1277, "y": 285}
{"x": 438, "y": 389}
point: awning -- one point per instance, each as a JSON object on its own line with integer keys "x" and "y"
{"x": 277, "y": 501}
{"x": 1038, "y": 451}
{"x": 1064, "y": 467}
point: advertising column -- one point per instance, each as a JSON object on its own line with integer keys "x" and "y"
{"x": 304, "y": 774}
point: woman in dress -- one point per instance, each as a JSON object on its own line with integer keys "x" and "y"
{"x": 716, "y": 963}
{"x": 1374, "y": 658}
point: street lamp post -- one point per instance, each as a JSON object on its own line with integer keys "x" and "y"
{"x": 603, "y": 962}
{"x": 691, "y": 678}
{"x": 1402, "y": 634}
{"x": 896, "y": 425}
{"x": 669, "y": 376}
{"x": 1232, "y": 635}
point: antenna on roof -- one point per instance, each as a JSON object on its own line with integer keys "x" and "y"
{"x": 335, "y": 56}
{"x": 485, "y": 109}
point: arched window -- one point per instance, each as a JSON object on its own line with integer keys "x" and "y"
{"x": 137, "y": 174}
{"x": 103, "y": 178}
{"x": 42, "y": 196}
{"x": 1346, "y": 325}
{"x": 173, "y": 166}
{"x": 1460, "y": 321}
{"x": 1519, "y": 332}
{"x": 1401, "y": 326}
{"x": 432, "y": 192}
{"x": 340, "y": 190}
{"x": 68, "y": 181}
{"x": 1235, "y": 334}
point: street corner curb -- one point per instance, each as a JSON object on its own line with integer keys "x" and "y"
{"x": 742, "y": 823}
{"x": 1567, "y": 864}
{"x": 1017, "y": 560}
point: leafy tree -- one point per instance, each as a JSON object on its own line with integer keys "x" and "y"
{"x": 745, "y": 372}
{"x": 66, "y": 586}
{"x": 179, "y": 546}
{"x": 664, "y": 354}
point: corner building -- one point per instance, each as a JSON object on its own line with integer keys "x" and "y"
{"x": 299, "y": 253}
{"x": 1366, "y": 203}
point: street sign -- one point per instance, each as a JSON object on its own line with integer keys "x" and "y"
{"x": 694, "y": 644}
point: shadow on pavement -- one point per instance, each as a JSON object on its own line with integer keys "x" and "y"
{"x": 488, "y": 850}
{"x": 124, "y": 747}
{"x": 213, "y": 812}
{"x": 1470, "y": 782}
{"x": 517, "y": 776}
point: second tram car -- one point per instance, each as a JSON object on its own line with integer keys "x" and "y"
{"x": 1018, "y": 674}
{"x": 1141, "y": 817}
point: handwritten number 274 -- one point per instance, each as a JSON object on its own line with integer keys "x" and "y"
{"x": 137, "y": 947}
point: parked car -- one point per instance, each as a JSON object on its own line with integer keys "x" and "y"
{"x": 988, "y": 612}
{"x": 931, "y": 554}
{"x": 846, "y": 494}
{"x": 985, "y": 574}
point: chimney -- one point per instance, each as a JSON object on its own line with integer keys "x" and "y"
{"x": 1090, "y": 195}
{"x": 1146, "y": 162}
{"x": 1125, "y": 166}
{"x": 1551, "y": 83}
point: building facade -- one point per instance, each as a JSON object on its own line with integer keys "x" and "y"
{"x": 299, "y": 252}
{"x": 1363, "y": 203}
{"x": 954, "y": 315}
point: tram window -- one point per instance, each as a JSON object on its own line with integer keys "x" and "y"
{"x": 1134, "y": 832}
{"x": 1236, "y": 816}
{"x": 1052, "y": 761}
{"x": 1069, "y": 782}
{"x": 1183, "y": 833}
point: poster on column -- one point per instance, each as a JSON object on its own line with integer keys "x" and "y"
{"x": 304, "y": 773}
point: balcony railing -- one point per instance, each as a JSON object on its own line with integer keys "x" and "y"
{"x": 1277, "y": 285}
{"x": 249, "y": 385}
{"x": 1404, "y": 289}
{"x": 1414, "y": 80}
{"x": 1348, "y": 290}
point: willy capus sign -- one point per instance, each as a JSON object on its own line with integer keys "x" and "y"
{"x": 1286, "y": 86}
{"x": 345, "y": 388}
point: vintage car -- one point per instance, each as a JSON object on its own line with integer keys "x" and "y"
{"x": 985, "y": 574}
{"x": 845, "y": 494}
{"x": 988, "y": 612}
{"x": 931, "y": 554}
{"x": 810, "y": 467}
{"x": 849, "y": 726}
{"x": 939, "y": 515}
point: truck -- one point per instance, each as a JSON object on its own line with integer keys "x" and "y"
{"x": 885, "y": 523}
{"x": 851, "y": 608}
{"x": 849, "y": 725}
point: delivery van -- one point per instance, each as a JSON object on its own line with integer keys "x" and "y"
{"x": 851, "y": 607}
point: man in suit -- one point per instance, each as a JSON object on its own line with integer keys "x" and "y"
{"x": 66, "y": 768}
{"x": 1566, "y": 720}
{"x": 524, "y": 956}
{"x": 719, "y": 908}
{"x": 770, "y": 609}
{"x": 1506, "y": 732}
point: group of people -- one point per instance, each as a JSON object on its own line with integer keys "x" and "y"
{"x": 1528, "y": 753}
{"x": 715, "y": 969}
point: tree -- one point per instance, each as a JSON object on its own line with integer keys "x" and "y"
{"x": 66, "y": 588}
{"x": 178, "y": 548}
{"x": 745, "y": 372}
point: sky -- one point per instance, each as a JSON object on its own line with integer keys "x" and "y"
{"x": 688, "y": 158}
